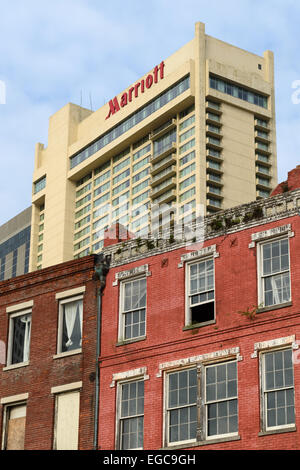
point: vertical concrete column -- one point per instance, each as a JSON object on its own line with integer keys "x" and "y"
{"x": 200, "y": 95}
{"x": 269, "y": 77}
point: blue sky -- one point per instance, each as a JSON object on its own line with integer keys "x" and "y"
{"x": 87, "y": 51}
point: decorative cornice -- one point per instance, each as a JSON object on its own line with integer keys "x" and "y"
{"x": 121, "y": 275}
{"x": 274, "y": 343}
{"x": 129, "y": 374}
{"x": 213, "y": 356}
{"x": 192, "y": 255}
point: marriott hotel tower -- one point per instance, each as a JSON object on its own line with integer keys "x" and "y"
{"x": 198, "y": 129}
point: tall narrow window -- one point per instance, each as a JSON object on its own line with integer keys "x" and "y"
{"x": 275, "y": 272}
{"x": 182, "y": 406}
{"x": 133, "y": 309}
{"x": 70, "y": 325}
{"x": 221, "y": 399}
{"x": 201, "y": 295}
{"x": 131, "y": 423}
{"x": 201, "y": 403}
{"x": 278, "y": 389}
{"x": 14, "y": 429}
{"x": 19, "y": 338}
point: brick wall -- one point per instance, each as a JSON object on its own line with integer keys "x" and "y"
{"x": 44, "y": 372}
{"x": 166, "y": 340}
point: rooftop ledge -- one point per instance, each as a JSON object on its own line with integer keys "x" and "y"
{"x": 256, "y": 213}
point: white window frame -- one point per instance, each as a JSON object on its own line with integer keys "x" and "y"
{"x": 188, "y": 313}
{"x": 122, "y": 313}
{"x": 202, "y": 425}
{"x": 62, "y": 302}
{"x": 264, "y": 392}
{"x": 12, "y": 317}
{"x": 167, "y": 373}
{"x": 119, "y": 419}
{"x": 261, "y": 277}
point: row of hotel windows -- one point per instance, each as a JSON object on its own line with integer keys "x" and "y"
{"x": 201, "y": 401}
{"x": 274, "y": 289}
{"x": 112, "y": 181}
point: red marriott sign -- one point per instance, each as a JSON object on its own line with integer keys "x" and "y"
{"x": 133, "y": 92}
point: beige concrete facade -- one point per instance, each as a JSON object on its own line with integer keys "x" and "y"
{"x": 199, "y": 128}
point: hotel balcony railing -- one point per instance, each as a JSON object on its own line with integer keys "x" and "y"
{"x": 263, "y": 159}
{"x": 165, "y": 197}
{"x": 262, "y": 125}
{"x": 262, "y": 136}
{"x": 214, "y": 107}
{"x": 163, "y": 187}
{"x": 212, "y": 118}
{"x": 163, "y": 175}
{"x": 162, "y": 164}
{"x": 212, "y": 130}
{"x": 163, "y": 129}
{"x": 262, "y": 148}
{"x": 167, "y": 149}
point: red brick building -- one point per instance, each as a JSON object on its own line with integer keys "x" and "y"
{"x": 197, "y": 341}
{"x": 48, "y": 357}
{"x": 199, "y": 344}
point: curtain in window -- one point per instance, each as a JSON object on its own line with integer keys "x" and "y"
{"x": 71, "y": 310}
{"x": 27, "y": 320}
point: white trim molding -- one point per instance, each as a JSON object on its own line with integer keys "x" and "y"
{"x": 70, "y": 293}
{"x": 193, "y": 255}
{"x": 14, "y": 398}
{"x": 208, "y": 357}
{"x": 273, "y": 232}
{"x": 274, "y": 343}
{"x": 121, "y": 275}
{"x": 129, "y": 374}
{"x": 22, "y": 306}
{"x": 66, "y": 388}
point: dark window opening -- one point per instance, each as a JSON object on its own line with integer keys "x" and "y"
{"x": 203, "y": 313}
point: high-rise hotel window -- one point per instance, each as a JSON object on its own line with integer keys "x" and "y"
{"x": 133, "y": 309}
{"x": 19, "y": 338}
{"x": 274, "y": 273}
{"x": 131, "y": 415}
{"x": 201, "y": 403}
{"x": 200, "y": 292}
{"x": 278, "y": 409}
{"x": 70, "y": 324}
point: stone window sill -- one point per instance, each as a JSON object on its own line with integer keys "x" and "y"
{"x": 67, "y": 353}
{"x": 203, "y": 443}
{"x": 16, "y": 366}
{"x": 274, "y": 307}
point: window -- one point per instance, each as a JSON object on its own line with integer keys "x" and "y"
{"x": 70, "y": 324}
{"x": 131, "y": 418}
{"x": 221, "y": 399}
{"x": 14, "y": 426}
{"x": 182, "y": 406}
{"x": 133, "y": 309}
{"x": 66, "y": 424}
{"x": 19, "y": 338}
{"x": 275, "y": 273}
{"x": 202, "y": 403}
{"x": 201, "y": 294}
{"x": 278, "y": 389}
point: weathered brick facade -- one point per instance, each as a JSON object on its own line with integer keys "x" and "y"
{"x": 43, "y": 371}
{"x": 242, "y": 331}
{"x": 167, "y": 339}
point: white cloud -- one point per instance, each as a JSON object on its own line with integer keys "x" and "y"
{"x": 55, "y": 52}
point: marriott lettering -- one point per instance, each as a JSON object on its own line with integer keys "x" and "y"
{"x": 139, "y": 87}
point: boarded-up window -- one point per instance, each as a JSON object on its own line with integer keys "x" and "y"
{"x": 15, "y": 427}
{"x": 67, "y": 421}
